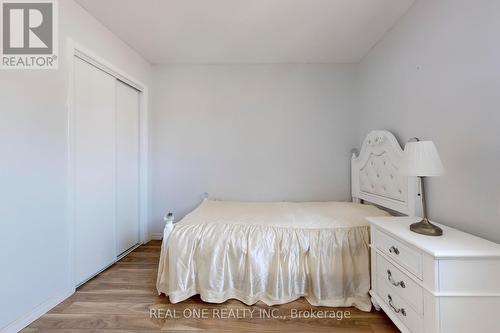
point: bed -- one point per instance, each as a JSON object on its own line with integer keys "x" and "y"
{"x": 276, "y": 252}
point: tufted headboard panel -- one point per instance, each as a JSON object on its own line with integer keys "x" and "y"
{"x": 376, "y": 177}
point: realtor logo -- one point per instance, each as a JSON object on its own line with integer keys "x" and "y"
{"x": 29, "y": 34}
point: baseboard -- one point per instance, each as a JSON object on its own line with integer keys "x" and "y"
{"x": 36, "y": 313}
{"x": 156, "y": 236}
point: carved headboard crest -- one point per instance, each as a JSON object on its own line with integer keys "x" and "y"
{"x": 375, "y": 175}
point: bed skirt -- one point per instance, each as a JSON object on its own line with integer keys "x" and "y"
{"x": 275, "y": 265}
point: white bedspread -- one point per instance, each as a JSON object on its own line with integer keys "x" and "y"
{"x": 270, "y": 252}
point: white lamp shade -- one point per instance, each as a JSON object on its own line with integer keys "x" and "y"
{"x": 422, "y": 159}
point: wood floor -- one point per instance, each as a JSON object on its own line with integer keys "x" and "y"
{"x": 124, "y": 299}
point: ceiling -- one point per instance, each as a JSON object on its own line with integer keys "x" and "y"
{"x": 249, "y": 31}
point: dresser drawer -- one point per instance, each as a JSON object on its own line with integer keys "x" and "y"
{"x": 400, "y": 283}
{"x": 400, "y": 308}
{"x": 404, "y": 255}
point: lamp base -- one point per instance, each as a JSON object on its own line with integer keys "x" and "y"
{"x": 424, "y": 227}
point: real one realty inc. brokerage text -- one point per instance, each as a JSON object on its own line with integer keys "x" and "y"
{"x": 247, "y": 313}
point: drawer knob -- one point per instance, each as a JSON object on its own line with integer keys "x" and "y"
{"x": 400, "y": 310}
{"x": 394, "y": 250}
{"x": 394, "y": 283}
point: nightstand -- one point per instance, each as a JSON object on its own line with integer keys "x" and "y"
{"x": 426, "y": 284}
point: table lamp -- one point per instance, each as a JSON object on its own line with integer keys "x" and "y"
{"x": 422, "y": 160}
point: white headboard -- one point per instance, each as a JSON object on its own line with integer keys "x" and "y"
{"x": 376, "y": 177}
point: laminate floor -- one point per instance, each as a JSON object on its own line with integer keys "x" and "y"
{"x": 123, "y": 299}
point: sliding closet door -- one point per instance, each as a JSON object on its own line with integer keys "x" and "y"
{"x": 94, "y": 169}
{"x": 127, "y": 167}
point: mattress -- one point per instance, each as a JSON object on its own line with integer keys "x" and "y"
{"x": 271, "y": 252}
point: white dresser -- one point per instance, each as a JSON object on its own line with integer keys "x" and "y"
{"x": 426, "y": 284}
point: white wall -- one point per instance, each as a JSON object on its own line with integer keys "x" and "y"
{"x": 34, "y": 232}
{"x": 250, "y": 132}
{"x": 436, "y": 76}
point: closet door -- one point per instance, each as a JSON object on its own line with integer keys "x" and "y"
{"x": 127, "y": 167}
{"x": 93, "y": 156}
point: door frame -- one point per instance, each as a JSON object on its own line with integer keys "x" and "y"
{"x": 74, "y": 49}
